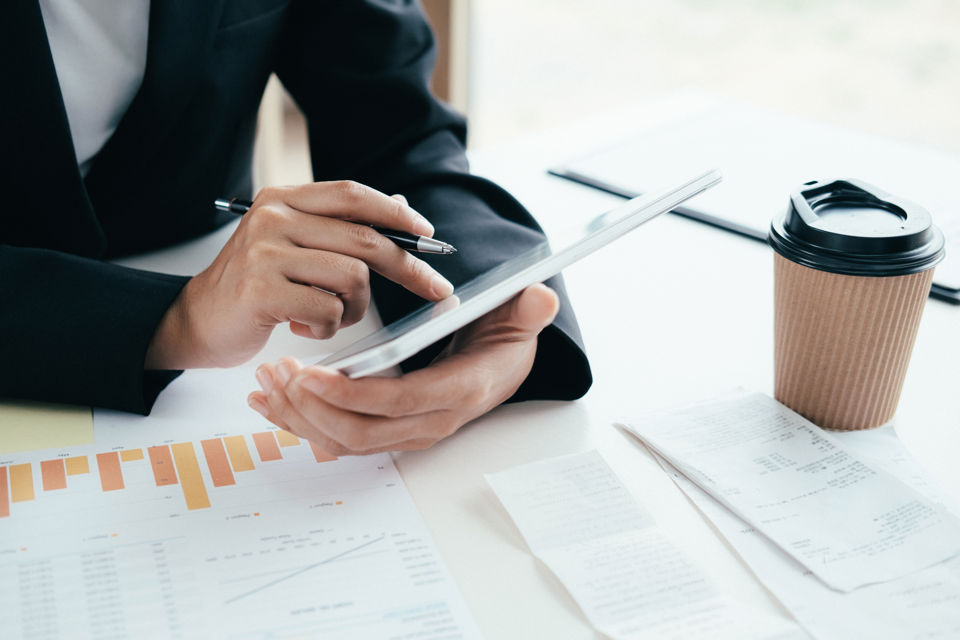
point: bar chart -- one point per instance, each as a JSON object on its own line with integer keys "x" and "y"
{"x": 235, "y": 535}
{"x": 200, "y": 521}
{"x": 172, "y": 464}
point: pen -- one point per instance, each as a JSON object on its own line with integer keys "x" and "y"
{"x": 404, "y": 240}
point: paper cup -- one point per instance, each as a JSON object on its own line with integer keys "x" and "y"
{"x": 842, "y": 343}
{"x": 852, "y": 271}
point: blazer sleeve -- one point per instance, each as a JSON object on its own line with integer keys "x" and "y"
{"x": 359, "y": 70}
{"x": 76, "y": 330}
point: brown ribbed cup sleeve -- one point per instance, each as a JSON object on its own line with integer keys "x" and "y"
{"x": 843, "y": 343}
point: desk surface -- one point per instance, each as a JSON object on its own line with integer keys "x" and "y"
{"x": 655, "y": 336}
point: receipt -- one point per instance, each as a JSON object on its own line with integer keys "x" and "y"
{"x": 847, "y": 521}
{"x": 629, "y": 580}
{"x": 925, "y": 604}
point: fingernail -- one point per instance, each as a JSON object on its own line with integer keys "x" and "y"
{"x": 258, "y": 406}
{"x": 423, "y": 226}
{"x": 265, "y": 379}
{"x": 283, "y": 372}
{"x": 441, "y": 286}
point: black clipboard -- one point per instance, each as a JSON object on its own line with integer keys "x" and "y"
{"x": 717, "y": 129}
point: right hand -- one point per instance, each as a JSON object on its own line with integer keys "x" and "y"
{"x": 292, "y": 242}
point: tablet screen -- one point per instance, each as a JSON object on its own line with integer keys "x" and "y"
{"x": 435, "y": 310}
{"x": 405, "y": 337}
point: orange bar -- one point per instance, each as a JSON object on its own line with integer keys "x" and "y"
{"x": 217, "y": 462}
{"x": 111, "y": 478}
{"x": 77, "y": 465}
{"x": 54, "y": 474}
{"x": 267, "y": 446}
{"x": 239, "y": 454}
{"x": 21, "y": 482}
{"x": 163, "y": 471}
{"x": 128, "y": 455}
{"x": 190, "y": 479}
{"x": 320, "y": 454}
{"x": 287, "y": 439}
{"x": 4, "y": 494}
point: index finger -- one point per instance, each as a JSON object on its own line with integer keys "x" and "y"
{"x": 349, "y": 200}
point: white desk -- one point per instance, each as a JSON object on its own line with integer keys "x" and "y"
{"x": 672, "y": 312}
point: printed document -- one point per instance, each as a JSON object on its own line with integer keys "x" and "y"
{"x": 849, "y": 522}
{"x": 629, "y": 580}
{"x": 925, "y": 604}
{"x": 204, "y": 521}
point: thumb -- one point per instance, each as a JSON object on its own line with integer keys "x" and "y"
{"x": 535, "y": 308}
{"x": 527, "y": 313}
{"x": 520, "y": 319}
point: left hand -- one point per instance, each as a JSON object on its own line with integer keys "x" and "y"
{"x": 483, "y": 365}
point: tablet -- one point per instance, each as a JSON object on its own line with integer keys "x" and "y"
{"x": 407, "y": 336}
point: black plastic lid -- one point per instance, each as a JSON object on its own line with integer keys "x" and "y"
{"x": 851, "y": 227}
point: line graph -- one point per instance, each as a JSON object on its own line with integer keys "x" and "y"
{"x": 200, "y": 521}
{"x": 305, "y": 569}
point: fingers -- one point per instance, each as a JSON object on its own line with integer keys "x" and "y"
{"x": 293, "y": 241}
{"x": 329, "y": 253}
{"x": 381, "y": 254}
{"x": 320, "y": 311}
{"x": 500, "y": 344}
{"x": 300, "y": 329}
{"x": 344, "y": 276}
{"x": 354, "y": 201}
{"x": 483, "y": 367}
{"x": 338, "y": 431}
{"x": 352, "y": 432}
{"x": 411, "y": 273}
{"x": 410, "y": 394}
{"x": 347, "y": 238}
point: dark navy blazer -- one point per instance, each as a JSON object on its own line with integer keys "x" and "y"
{"x": 74, "y": 328}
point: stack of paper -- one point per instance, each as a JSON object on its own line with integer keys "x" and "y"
{"x": 628, "y": 579}
{"x": 852, "y": 545}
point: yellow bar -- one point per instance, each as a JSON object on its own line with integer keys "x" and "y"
{"x": 239, "y": 453}
{"x": 191, "y": 481}
{"x": 77, "y": 465}
{"x": 131, "y": 454}
{"x": 25, "y": 426}
{"x": 287, "y": 439}
{"x": 21, "y": 482}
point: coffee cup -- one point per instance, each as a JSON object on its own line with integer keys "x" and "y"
{"x": 853, "y": 267}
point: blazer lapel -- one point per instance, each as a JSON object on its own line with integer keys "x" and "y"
{"x": 180, "y": 37}
{"x": 47, "y": 204}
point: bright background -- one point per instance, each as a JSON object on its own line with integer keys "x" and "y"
{"x": 890, "y": 67}
{"x": 885, "y": 66}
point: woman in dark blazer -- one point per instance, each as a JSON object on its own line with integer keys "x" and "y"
{"x": 77, "y": 329}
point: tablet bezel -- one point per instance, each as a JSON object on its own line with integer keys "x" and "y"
{"x": 433, "y": 322}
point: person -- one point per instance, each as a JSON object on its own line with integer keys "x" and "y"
{"x": 123, "y": 121}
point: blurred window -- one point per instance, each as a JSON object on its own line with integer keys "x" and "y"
{"x": 890, "y": 67}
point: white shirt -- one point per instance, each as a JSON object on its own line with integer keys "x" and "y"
{"x": 99, "y": 50}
